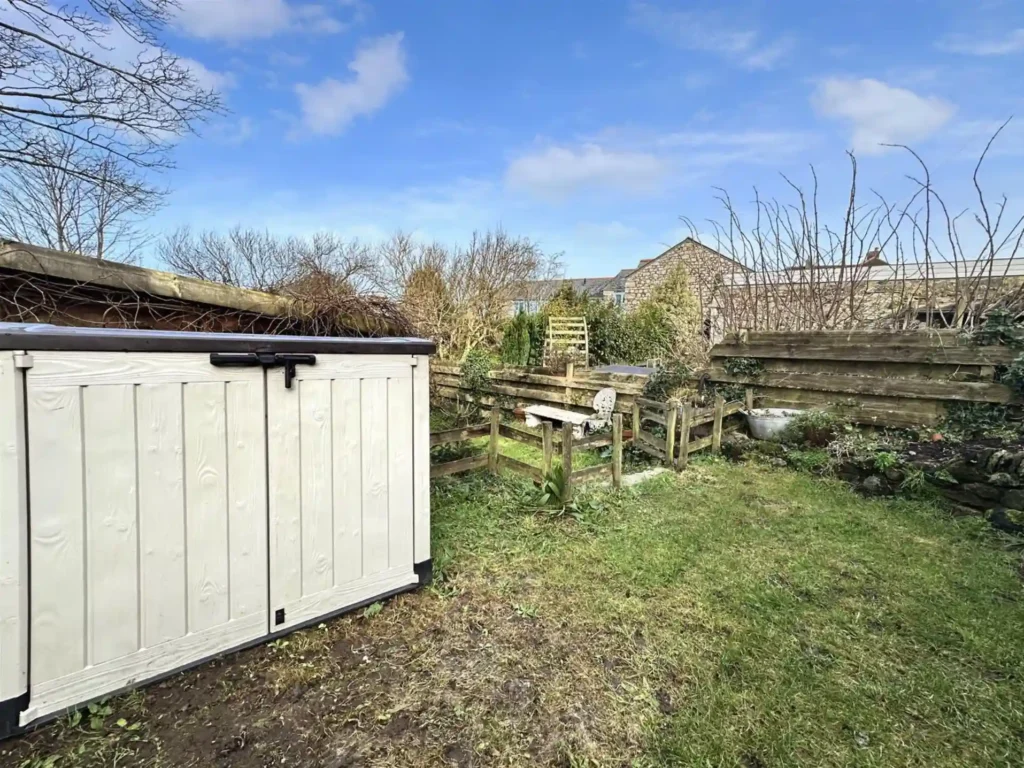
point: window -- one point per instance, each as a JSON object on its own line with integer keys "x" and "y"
{"x": 524, "y": 305}
{"x": 619, "y": 298}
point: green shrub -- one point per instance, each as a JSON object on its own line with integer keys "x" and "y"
{"x": 885, "y": 461}
{"x": 747, "y": 367}
{"x": 814, "y": 428}
{"x": 667, "y": 380}
{"x": 1000, "y": 327}
{"x": 615, "y": 336}
{"x": 970, "y": 421}
{"x": 811, "y": 460}
{"x": 1012, "y": 375}
{"x": 522, "y": 342}
{"x": 475, "y": 366}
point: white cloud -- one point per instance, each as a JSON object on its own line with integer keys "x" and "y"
{"x": 235, "y": 20}
{"x": 208, "y": 78}
{"x": 559, "y": 171}
{"x": 880, "y": 113}
{"x": 713, "y": 33}
{"x": 1013, "y": 42}
{"x": 379, "y": 67}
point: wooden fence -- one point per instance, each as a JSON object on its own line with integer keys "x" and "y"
{"x": 575, "y": 390}
{"x": 679, "y": 423}
{"x": 894, "y": 379}
{"x": 547, "y": 441}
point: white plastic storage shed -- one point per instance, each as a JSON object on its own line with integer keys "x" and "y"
{"x": 167, "y": 497}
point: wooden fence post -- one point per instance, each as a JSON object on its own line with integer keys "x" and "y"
{"x": 566, "y": 462}
{"x": 670, "y": 436}
{"x": 716, "y": 434}
{"x": 617, "y": 450}
{"x": 492, "y": 448}
{"x": 548, "y": 435}
{"x": 570, "y": 373}
{"x": 684, "y": 436}
{"x": 750, "y": 399}
{"x": 636, "y": 422}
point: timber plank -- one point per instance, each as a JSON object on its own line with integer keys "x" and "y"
{"x": 520, "y": 467}
{"x": 458, "y": 435}
{"x": 974, "y": 391}
{"x": 460, "y": 465}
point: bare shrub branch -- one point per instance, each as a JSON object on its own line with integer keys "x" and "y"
{"x": 93, "y": 72}
{"x": 881, "y": 265}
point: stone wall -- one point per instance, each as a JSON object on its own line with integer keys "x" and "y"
{"x": 705, "y": 267}
{"x": 981, "y": 480}
{"x": 877, "y": 303}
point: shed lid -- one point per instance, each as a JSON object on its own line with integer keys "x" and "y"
{"x": 28, "y": 337}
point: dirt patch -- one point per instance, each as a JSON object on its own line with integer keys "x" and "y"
{"x": 391, "y": 691}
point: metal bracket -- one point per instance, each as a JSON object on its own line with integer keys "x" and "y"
{"x": 23, "y": 360}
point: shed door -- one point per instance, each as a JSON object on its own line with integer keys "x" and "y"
{"x": 341, "y": 484}
{"x": 147, "y": 480}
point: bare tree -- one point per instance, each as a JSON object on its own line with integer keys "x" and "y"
{"x": 93, "y": 71}
{"x": 251, "y": 258}
{"x": 101, "y": 217}
{"x": 460, "y": 297}
{"x": 882, "y": 264}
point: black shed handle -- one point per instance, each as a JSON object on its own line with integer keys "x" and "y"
{"x": 265, "y": 360}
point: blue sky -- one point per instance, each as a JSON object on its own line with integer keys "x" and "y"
{"x": 590, "y": 127}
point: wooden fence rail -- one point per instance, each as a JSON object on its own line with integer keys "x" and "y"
{"x": 679, "y": 421}
{"x": 893, "y": 379}
{"x": 574, "y": 391}
{"x": 494, "y": 460}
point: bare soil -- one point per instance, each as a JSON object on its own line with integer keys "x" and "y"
{"x": 432, "y": 680}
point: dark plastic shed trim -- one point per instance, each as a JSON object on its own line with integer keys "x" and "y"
{"x": 55, "y": 338}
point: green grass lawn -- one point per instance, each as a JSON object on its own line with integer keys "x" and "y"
{"x": 733, "y": 615}
{"x": 776, "y": 619}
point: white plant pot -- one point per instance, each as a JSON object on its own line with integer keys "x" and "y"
{"x": 768, "y": 423}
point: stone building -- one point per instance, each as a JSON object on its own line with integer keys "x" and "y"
{"x": 706, "y": 267}
{"x": 631, "y": 286}
{"x": 869, "y": 293}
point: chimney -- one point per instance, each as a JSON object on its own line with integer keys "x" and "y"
{"x": 644, "y": 262}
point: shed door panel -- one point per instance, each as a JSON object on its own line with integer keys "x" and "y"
{"x": 341, "y": 493}
{"x": 147, "y": 480}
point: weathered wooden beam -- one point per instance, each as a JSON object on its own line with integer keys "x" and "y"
{"x": 716, "y": 433}
{"x": 670, "y": 435}
{"x": 598, "y": 470}
{"x": 617, "y": 450}
{"x": 653, "y": 441}
{"x": 684, "y": 432}
{"x": 460, "y": 465}
{"x": 548, "y": 445}
{"x": 513, "y": 432}
{"x": 655, "y": 417}
{"x": 594, "y": 441}
{"x": 876, "y": 351}
{"x": 645, "y": 403}
{"x": 928, "y": 389}
{"x": 566, "y": 462}
{"x": 492, "y": 446}
{"x": 458, "y": 435}
{"x": 520, "y": 467}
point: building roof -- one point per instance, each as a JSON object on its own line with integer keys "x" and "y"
{"x": 871, "y": 272}
{"x": 644, "y": 263}
{"x": 542, "y": 290}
